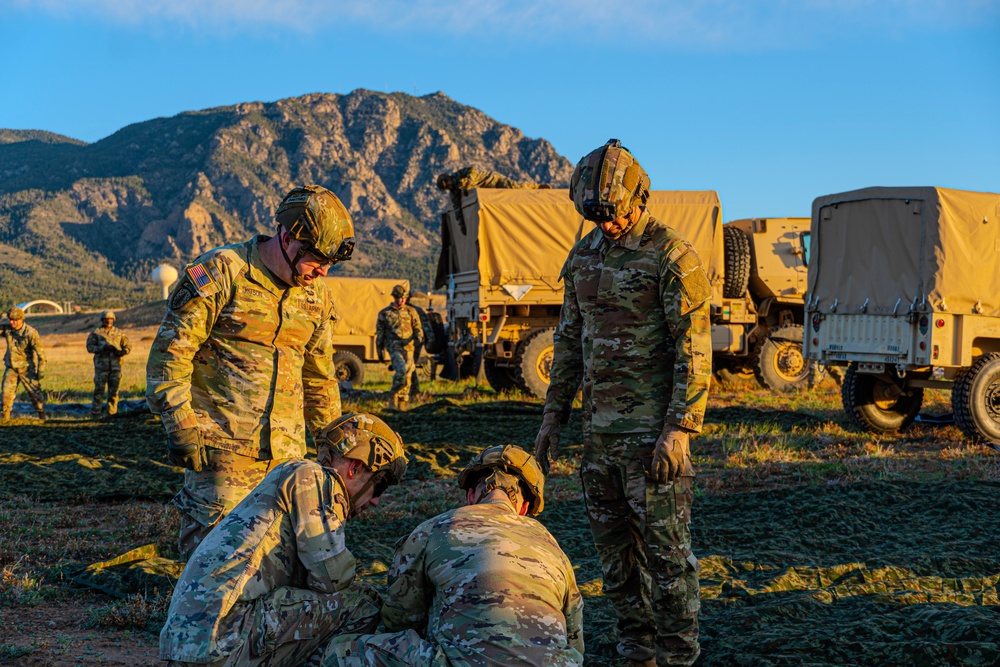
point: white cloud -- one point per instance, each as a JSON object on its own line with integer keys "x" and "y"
{"x": 698, "y": 24}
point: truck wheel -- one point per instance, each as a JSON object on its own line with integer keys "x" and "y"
{"x": 499, "y": 378}
{"x": 737, "y": 256}
{"x": 878, "y": 403}
{"x": 533, "y": 368}
{"x": 780, "y": 364}
{"x": 975, "y": 399}
{"x": 348, "y": 367}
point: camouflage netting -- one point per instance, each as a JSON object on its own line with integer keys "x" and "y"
{"x": 883, "y": 573}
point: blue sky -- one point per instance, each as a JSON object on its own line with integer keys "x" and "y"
{"x": 771, "y": 103}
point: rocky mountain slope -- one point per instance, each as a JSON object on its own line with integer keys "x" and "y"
{"x": 87, "y": 222}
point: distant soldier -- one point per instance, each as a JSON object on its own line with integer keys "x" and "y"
{"x": 463, "y": 180}
{"x": 108, "y": 344}
{"x": 398, "y": 330}
{"x": 480, "y": 585}
{"x": 243, "y": 360}
{"x": 275, "y": 581}
{"x": 24, "y": 363}
{"x": 634, "y": 330}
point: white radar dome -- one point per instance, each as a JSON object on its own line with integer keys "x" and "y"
{"x": 165, "y": 276}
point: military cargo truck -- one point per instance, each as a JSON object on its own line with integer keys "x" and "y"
{"x": 904, "y": 291}
{"x": 766, "y": 262}
{"x": 500, "y": 261}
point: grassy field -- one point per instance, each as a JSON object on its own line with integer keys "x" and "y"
{"x": 819, "y": 545}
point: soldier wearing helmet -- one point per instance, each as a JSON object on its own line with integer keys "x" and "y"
{"x": 244, "y": 351}
{"x": 108, "y": 344}
{"x": 24, "y": 363}
{"x": 479, "y": 584}
{"x": 634, "y": 330}
{"x": 274, "y": 581}
{"x": 398, "y": 330}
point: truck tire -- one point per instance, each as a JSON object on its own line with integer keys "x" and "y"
{"x": 975, "y": 400}
{"x": 533, "y": 364}
{"x": 734, "y": 371}
{"x": 737, "y": 256}
{"x": 348, "y": 368}
{"x": 878, "y": 403}
{"x": 780, "y": 365}
{"x": 499, "y": 377}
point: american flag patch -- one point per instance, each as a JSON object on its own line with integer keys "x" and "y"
{"x": 200, "y": 276}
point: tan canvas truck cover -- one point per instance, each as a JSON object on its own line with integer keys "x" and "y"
{"x": 889, "y": 246}
{"x": 358, "y": 301}
{"x": 522, "y": 237}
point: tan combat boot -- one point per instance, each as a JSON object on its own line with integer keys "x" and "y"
{"x": 391, "y": 405}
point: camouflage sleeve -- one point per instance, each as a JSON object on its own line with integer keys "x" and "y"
{"x": 380, "y": 329}
{"x": 36, "y": 346}
{"x": 567, "y": 362}
{"x": 685, "y": 294}
{"x": 186, "y": 326}
{"x": 93, "y": 343}
{"x": 418, "y": 328}
{"x": 573, "y": 611}
{"x": 319, "y": 381}
{"x": 318, "y": 510}
{"x": 125, "y": 345}
{"x": 406, "y": 601}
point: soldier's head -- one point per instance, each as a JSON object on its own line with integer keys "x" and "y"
{"x": 608, "y": 188}
{"x": 315, "y": 228}
{"x": 16, "y": 317}
{"x": 366, "y": 453}
{"x": 445, "y": 182}
{"x": 399, "y": 295}
{"x": 507, "y": 468}
{"x": 108, "y": 318}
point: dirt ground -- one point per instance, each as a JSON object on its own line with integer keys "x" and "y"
{"x": 819, "y": 545}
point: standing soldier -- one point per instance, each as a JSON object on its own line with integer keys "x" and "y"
{"x": 634, "y": 328}
{"x": 24, "y": 363}
{"x": 244, "y": 353}
{"x": 108, "y": 344}
{"x": 398, "y": 330}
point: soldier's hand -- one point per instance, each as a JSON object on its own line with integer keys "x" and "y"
{"x": 39, "y": 374}
{"x": 671, "y": 455}
{"x": 185, "y": 449}
{"x": 547, "y": 440}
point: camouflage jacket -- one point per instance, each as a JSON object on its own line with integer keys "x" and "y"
{"x": 108, "y": 346}
{"x": 397, "y": 327}
{"x": 242, "y": 356}
{"x": 288, "y": 532}
{"x": 634, "y": 328}
{"x": 489, "y": 587}
{"x": 24, "y": 349}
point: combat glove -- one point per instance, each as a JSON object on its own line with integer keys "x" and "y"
{"x": 547, "y": 440}
{"x": 671, "y": 455}
{"x": 185, "y": 449}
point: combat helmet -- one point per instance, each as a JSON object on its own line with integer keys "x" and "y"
{"x": 502, "y": 464}
{"x": 316, "y": 217}
{"x": 15, "y": 313}
{"x": 399, "y": 292}
{"x": 108, "y": 315}
{"x": 608, "y": 183}
{"x": 366, "y": 438}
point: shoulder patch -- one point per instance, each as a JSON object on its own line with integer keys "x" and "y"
{"x": 688, "y": 268}
{"x": 183, "y": 293}
{"x": 200, "y": 276}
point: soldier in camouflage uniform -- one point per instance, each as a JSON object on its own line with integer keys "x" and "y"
{"x": 244, "y": 352}
{"x": 24, "y": 363}
{"x": 480, "y": 585}
{"x": 108, "y": 344}
{"x": 274, "y": 581}
{"x": 634, "y": 329}
{"x": 398, "y": 330}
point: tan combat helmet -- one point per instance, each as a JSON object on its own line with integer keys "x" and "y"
{"x": 15, "y": 313}
{"x": 108, "y": 315}
{"x": 502, "y": 465}
{"x": 366, "y": 438}
{"x": 608, "y": 183}
{"x": 316, "y": 217}
{"x": 399, "y": 292}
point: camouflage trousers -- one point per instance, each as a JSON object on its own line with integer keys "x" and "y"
{"x": 404, "y": 368}
{"x": 110, "y": 378}
{"x": 292, "y": 626}
{"x": 211, "y": 494}
{"x": 642, "y": 533}
{"x": 392, "y": 649}
{"x": 8, "y": 388}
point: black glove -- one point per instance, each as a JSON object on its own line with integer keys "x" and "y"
{"x": 185, "y": 449}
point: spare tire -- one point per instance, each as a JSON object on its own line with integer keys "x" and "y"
{"x": 348, "y": 367}
{"x": 737, "y": 255}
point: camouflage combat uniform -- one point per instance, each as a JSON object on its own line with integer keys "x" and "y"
{"x": 23, "y": 361}
{"x": 241, "y": 356}
{"x": 273, "y": 582}
{"x": 108, "y": 345}
{"x": 635, "y": 328}
{"x": 475, "y": 586}
{"x": 398, "y": 331}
